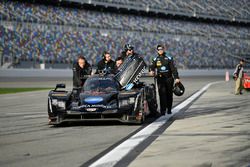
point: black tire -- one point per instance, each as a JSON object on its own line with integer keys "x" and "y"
{"x": 152, "y": 100}
{"x": 60, "y": 123}
{"x": 141, "y": 110}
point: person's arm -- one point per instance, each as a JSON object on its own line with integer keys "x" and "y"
{"x": 236, "y": 71}
{"x": 113, "y": 67}
{"x": 88, "y": 69}
{"x": 76, "y": 78}
{"x": 174, "y": 70}
{"x": 152, "y": 67}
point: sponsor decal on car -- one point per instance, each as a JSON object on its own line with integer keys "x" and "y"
{"x": 101, "y": 79}
{"x": 139, "y": 75}
{"x": 89, "y": 107}
{"x": 59, "y": 94}
{"x": 93, "y": 99}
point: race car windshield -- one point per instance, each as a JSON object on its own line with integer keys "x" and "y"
{"x": 100, "y": 85}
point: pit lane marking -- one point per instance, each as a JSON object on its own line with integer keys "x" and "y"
{"x": 23, "y": 113}
{"x": 10, "y": 97}
{"x": 119, "y": 152}
{"x": 27, "y": 114}
{"x": 35, "y": 116}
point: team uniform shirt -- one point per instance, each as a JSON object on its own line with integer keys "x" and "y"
{"x": 164, "y": 66}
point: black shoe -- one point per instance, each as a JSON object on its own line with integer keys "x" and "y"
{"x": 163, "y": 112}
{"x": 169, "y": 112}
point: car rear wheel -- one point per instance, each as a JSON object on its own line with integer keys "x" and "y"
{"x": 140, "y": 118}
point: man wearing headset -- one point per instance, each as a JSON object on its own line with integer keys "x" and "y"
{"x": 127, "y": 51}
{"x": 106, "y": 65}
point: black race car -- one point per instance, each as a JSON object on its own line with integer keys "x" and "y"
{"x": 118, "y": 97}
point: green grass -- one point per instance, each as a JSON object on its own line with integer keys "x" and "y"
{"x": 17, "y": 90}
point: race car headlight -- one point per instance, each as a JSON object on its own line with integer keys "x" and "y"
{"x": 61, "y": 104}
{"x": 131, "y": 100}
{"x": 123, "y": 102}
{"x": 54, "y": 102}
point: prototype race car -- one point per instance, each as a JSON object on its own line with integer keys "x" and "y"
{"x": 106, "y": 97}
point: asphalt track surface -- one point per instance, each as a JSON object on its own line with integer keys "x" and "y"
{"x": 27, "y": 140}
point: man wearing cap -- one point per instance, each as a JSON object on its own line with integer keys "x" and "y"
{"x": 164, "y": 70}
{"x": 127, "y": 51}
{"x": 238, "y": 76}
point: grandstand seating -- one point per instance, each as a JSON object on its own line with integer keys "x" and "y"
{"x": 58, "y": 35}
{"x": 221, "y": 8}
{"x": 76, "y": 17}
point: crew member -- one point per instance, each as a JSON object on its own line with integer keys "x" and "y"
{"x": 118, "y": 62}
{"x": 80, "y": 70}
{"x": 238, "y": 76}
{"x": 164, "y": 70}
{"x": 106, "y": 65}
{"x": 127, "y": 51}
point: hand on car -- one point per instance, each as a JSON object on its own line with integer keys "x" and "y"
{"x": 177, "y": 80}
{"x": 151, "y": 73}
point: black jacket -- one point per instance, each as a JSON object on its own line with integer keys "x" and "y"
{"x": 164, "y": 66}
{"x": 103, "y": 65}
{"x": 79, "y": 74}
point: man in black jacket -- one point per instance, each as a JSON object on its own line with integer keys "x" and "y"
{"x": 163, "y": 68}
{"x": 80, "y": 70}
{"x": 106, "y": 65}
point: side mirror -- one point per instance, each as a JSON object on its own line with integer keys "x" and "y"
{"x": 61, "y": 85}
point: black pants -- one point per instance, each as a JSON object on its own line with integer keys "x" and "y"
{"x": 165, "y": 88}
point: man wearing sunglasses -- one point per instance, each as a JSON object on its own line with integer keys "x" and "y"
{"x": 164, "y": 70}
{"x": 127, "y": 51}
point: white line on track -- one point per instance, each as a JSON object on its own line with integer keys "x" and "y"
{"x": 17, "y": 96}
{"x": 35, "y": 116}
{"x": 23, "y": 113}
{"x": 115, "y": 155}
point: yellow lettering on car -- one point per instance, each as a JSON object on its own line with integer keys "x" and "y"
{"x": 57, "y": 94}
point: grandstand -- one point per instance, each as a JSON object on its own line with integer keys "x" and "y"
{"x": 213, "y": 9}
{"x": 34, "y": 33}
